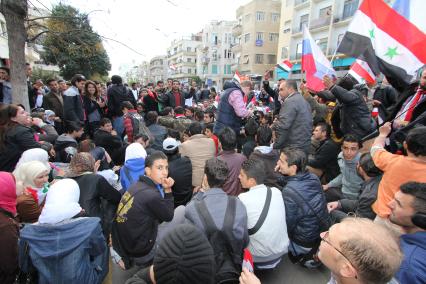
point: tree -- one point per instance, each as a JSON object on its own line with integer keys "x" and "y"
{"x": 71, "y": 43}
{"x": 15, "y": 13}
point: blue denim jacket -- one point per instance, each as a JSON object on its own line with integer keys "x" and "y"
{"x": 73, "y": 251}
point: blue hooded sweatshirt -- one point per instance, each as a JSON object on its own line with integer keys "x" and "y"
{"x": 73, "y": 251}
{"x": 131, "y": 171}
{"x": 413, "y": 266}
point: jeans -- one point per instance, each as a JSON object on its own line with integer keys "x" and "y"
{"x": 118, "y": 124}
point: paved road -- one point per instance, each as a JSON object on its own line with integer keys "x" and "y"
{"x": 289, "y": 273}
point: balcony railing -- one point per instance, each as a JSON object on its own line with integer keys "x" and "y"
{"x": 320, "y": 22}
{"x": 237, "y": 30}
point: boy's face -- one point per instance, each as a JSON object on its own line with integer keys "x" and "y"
{"x": 350, "y": 150}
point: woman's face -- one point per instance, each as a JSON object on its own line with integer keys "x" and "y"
{"x": 41, "y": 179}
{"x": 91, "y": 89}
{"x": 21, "y": 117}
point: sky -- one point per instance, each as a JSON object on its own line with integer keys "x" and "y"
{"x": 146, "y": 26}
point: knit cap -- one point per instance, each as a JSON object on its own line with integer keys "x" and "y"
{"x": 184, "y": 256}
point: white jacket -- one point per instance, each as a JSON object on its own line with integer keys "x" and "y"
{"x": 271, "y": 240}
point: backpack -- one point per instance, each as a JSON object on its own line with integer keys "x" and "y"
{"x": 139, "y": 126}
{"x": 228, "y": 265}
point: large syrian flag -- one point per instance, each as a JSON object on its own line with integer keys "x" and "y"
{"x": 390, "y": 40}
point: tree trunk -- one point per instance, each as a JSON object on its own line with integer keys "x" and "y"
{"x": 15, "y": 13}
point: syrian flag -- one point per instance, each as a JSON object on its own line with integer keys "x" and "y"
{"x": 390, "y": 40}
{"x": 314, "y": 63}
{"x": 237, "y": 77}
{"x": 285, "y": 66}
{"x": 362, "y": 72}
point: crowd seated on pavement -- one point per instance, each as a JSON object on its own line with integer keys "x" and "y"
{"x": 178, "y": 184}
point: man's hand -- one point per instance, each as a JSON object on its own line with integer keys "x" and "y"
{"x": 113, "y": 132}
{"x": 267, "y": 75}
{"x": 248, "y": 277}
{"x": 325, "y": 187}
{"x": 376, "y": 103}
{"x": 385, "y": 129}
{"x": 167, "y": 184}
{"x": 328, "y": 83}
{"x": 331, "y": 206}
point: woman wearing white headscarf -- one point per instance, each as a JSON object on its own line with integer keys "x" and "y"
{"x": 36, "y": 154}
{"x": 32, "y": 178}
{"x": 134, "y": 165}
{"x": 65, "y": 247}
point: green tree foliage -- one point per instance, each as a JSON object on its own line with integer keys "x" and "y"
{"x": 72, "y": 44}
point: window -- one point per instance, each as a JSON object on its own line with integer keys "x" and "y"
{"x": 275, "y": 17}
{"x": 272, "y": 59}
{"x": 214, "y": 39}
{"x": 247, "y": 18}
{"x": 188, "y": 49}
{"x": 227, "y": 69}
{"x": 273, "y": 37}
{"x": 227, "y": 53}
{"x": 189, "y": 70}
{"x": 214, "y": 55}
{"x": 287, "y": 26}
{"x": 246, "y": 38}
{"x": 299, "y": 51}
{"x": 260, "y": 16}
{"x": 259, "y": 36}
{"x": 214, "y": 69}
{"x": 322, "y": 43}
{"x": 303, "y": 21}
{"x": 350, "y": 7}
{"x": 188, "y": 59}
{"x": 259, "y": 59}
{"x": 284, "y": 52}
{"x": 246, "y": 59}
{"x": 325, "y": 12}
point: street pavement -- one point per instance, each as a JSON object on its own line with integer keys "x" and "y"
{"x": 289, "y": 273}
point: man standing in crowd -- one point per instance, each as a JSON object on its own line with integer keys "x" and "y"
{"x": 410, "y": 203}
{"x": 348, "y": 183}
{"x": 198, "y": 148}
{"x": 135, "y": 91}
{"x": 54, "y": 100}
{"x": 175, "y": 97}
{"x": 5, "y": 86}
{"x": 294, "y": 125}
{"x": 73, "y": 100}
{"x": 266, "y": 216}
{"x": 324, "y": 161}
{"x": 398, "y": 169}
{"x": 274, "y": 93}
{"x": 231, "y": 109}
{"x": 228, "y": 142}
{"x": 117, "y": 94}
{"x": 305, "y": 206}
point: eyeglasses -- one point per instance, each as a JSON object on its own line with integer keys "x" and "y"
{"x": 324, "y": 238}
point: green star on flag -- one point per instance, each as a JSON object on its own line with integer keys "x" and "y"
{"x": 392, "y": 52}
{"x": 371, "y": 32}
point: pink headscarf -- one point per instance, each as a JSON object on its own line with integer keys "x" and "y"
{"x": 7, "y": 192}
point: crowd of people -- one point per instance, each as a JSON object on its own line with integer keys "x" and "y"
{"x": 172, "y": 183}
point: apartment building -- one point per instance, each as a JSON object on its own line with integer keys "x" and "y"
{"x": 257, "y": 34}
{"x": 158, "y": 68}
{"x": 214, "y": 55}
{"x": 182, "y": 58}
{"x": 327, "y": 20}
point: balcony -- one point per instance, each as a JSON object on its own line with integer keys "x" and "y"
{"x": 236, "y": 48}
{"x": 299, "y": 4}
{"x": 296, "y": 30}
{"x": 320, "y": 22}
{"x": 237, "y": 30}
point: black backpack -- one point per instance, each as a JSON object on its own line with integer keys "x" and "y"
{"x": 228, "y": 264}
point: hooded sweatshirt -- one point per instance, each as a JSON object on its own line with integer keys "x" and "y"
{"x": 134, "y": 165}
{"x": 348, "y": 179}
{"x": 413, "y": 266}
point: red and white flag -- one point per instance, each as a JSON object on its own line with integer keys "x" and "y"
{"x": 285, "y": 66}
{"x": 361, "y": 71}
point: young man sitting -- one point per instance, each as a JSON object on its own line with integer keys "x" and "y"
{"x": 266, "y": 216}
